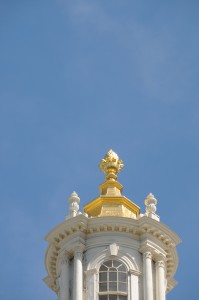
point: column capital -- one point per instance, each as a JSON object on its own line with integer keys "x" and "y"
{"x": 78, "y": 255}
{"x": 78, "y": 248}
{"x": 160, "y": 257}
{"x": 146, "y": 248}
{"x": 64, "y": 259}
{"x": 147, "y": 254}
{"x": 160, "y": 264}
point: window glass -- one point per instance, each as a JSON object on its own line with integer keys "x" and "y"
{"x": 122, "y": 277}
{"x": 103, "y": 276}
{"x": 122, "y": 287}
{"x": 103, "y": 287}
{"x": 103, "y": 268}
{"x": 112, "y": 297}
{"x": 103, "y": 297}
{"x": 113, "y": 269}
{"x": 122, "y": 268}
{"x": 112, "y": 276}
{"x": 116, "y": 263}
{"x": 108, "y": 263}
{"x": 112, "y": 286}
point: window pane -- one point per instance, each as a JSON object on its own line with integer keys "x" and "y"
{"x": 122, "y": 268}
{"x": 103, "y": 287}
{"x": 103, "y": 276}
{"x": 103, "y": 297}
{"x": 103, "y": 268}
{"x": 122, "y": 277}
{"x": 112, "y": 286}
{"x": 122, "y": 297}
{"x": 116, "y": 263}
{"x": 108, "y": 263}
{"x": 112, "y": 297}
{"x": 113, "y": 269}
{"x": 112, "y": 276}
{"x": 122, "y": 287}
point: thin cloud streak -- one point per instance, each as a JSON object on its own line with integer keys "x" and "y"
{"x": 152, "y": 50}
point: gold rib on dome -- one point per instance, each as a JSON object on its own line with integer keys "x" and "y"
{"x": 111, "y": 202}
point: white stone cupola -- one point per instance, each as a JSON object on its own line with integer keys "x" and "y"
{"x": 111, "y": 251}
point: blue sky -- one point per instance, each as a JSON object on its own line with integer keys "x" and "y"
{"x": 76, "y": 79}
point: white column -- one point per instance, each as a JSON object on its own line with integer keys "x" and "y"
{"x": 134, "y": 287}
{"x": 64, "y": 278}
{"x": 148, "y": 276}
{"x": 160, "y": 279}
{"x": 78, "y": 275}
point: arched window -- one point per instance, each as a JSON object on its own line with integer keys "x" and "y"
{"x": 113, "y": 281}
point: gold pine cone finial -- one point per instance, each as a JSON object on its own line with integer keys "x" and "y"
{"x": 111, "y": 164}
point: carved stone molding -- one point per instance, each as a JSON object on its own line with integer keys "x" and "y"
{"x": 160, "y": 257}
{"x": 134, "y": 272}
{"x": 78, "y": 255}
{"x": 91, "y": 272}
{"x": 78, "y": 251}
{"x": 64, "y": 260}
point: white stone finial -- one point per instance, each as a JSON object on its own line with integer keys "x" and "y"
{"x": 74, "y": 201}
{"x": 151, "y": 208}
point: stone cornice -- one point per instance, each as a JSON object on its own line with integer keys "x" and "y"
{"x": 171, "y": 284}
{"x": 77, "y": 244}
{"x": 51, "y": 283}
{"x": 69, "y": 226}
{"x": 149, "y": 246}
{"x": 149, "y": 225}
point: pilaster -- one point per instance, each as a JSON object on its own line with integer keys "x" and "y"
{"x": 91, "y": 284}
{"x": 134, "y": 285}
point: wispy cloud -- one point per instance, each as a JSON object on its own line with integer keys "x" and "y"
{"x": 152, "y": 51}
{"x": 89, "y": 13}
